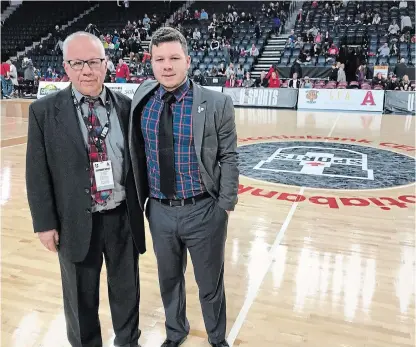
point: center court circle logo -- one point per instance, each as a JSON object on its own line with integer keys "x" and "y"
{"x": 325, "y": 165}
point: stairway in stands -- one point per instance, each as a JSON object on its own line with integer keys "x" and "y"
{"x": 8, "y": 9}
{"x": 275, "y": 45}
{"x": 272, "y": 51}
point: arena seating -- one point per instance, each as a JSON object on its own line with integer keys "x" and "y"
{"x": 354, "y": 33}
{"x": 34, "y": 20}
{"x": 244, "y": 35}
{"x": 107, "y": 17}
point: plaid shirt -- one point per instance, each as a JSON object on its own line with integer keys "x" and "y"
{"x": 188, "y": 177}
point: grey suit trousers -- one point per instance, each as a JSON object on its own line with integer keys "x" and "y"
{"x": 200, "y": 228}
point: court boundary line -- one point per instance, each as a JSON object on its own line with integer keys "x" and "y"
{"x": 271, "y": 254}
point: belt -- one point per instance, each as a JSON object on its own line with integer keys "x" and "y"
{"x": 183, "y": 202}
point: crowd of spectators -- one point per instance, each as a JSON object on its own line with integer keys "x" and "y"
{"x": 352, "y": 65}
{"x": 221, "y": 29}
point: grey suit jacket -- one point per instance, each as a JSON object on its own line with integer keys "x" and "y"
{"x": 215, "y": 140}
{"x": 57, "y": 174}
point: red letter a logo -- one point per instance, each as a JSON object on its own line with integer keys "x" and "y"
{"x": 368, "y": 99}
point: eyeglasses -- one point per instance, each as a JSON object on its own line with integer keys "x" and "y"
{"x": 78, "y": 65}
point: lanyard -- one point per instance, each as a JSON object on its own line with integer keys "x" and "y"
{"x": 97, "y": 140}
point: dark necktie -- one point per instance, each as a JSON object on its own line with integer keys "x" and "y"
{"x": 166, "y": 149}
{"x": 96, "y": 128}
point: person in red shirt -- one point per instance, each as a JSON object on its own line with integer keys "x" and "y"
{"x": 6, "y": 82}
{"x": 122, "y": 72}
{"x": 333, "y": 50}
{"x": 274, "y": 81}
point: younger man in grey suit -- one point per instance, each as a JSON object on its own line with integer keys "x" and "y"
{"x": 190, "y": 141}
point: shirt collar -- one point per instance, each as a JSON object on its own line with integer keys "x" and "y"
{"x": 79, "y": 96}
{"x": 179, "y": 93}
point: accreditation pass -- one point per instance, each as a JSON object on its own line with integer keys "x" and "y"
{"x": 103, "y": 172}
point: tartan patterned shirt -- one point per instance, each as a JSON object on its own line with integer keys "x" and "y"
{"x": 188, "y": 177}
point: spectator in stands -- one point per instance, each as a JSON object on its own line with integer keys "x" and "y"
{"x": 403, "y": 4}
{"x": 384, "y": 51}
{"x": 196, "y": 15}
{"x": 376, "y": 19}
{"x": 296, "y": 68}
{"x": 6, "y": 83}
{"x": 135, "y": 48}
{"x": 222, "y": 70}
{"x": 292, "y": 35}
{"x": 318, "y": 37}
{"x": 300, "y": 16}
{"x": 294, "y": 82}
{"x": 360, "y": 75}
{"x": 230, "y": 82}
{"x": 122, "y": 72}
{"x": 13, "y": 77}
{"x": 406, "y": 24}
{"x": 274, "y": 81}
{"x": 213, "y": 72}
{"x": 203, "y": 15}
{"x": 341, "y": 74}
{"x": 379, "y": 80}
{"x": 239, "y": 72}
{"x": 204, "y": 47}
{"x": 393, "y": 28}
{"x": 29, "y": 76}
{"x": 59, "y": 46}
{"x": 394, "y": 50}
{"x": 262, "y": 81}
{"x": 215, "y": 45}
{"x": 110, "y": 64}
{"x": 333, "y": 50}
{"x": 306, "y": 83}
{"x": 400, "y": 69}
{"x": 393, "y": 83}
{"x": 299, "y": 43}
{"x": 146, "y": 19}
{"x": 230, "y": 70}
{"x": 405, "y": 83}
{"x": 254, "y": 51}
{"x": 248, "y": 82}
{"x": 196, "y": 34}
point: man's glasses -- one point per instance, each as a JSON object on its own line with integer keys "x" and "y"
{"x": 78, "y": 65}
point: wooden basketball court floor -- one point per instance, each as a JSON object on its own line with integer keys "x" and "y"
{"x": 301, "y": 270}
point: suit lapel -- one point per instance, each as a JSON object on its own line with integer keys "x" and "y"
{"x": 198, "y": 117}
{"x": 67, "y": 120}
{"x": 138, "y": 97}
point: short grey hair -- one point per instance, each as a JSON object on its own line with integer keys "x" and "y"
{"x": 168, "y": 34}
{"x": 78, "y": 34}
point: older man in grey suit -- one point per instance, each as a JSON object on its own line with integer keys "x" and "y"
{"x": 190, "y": 141}
{"x": 82, "y": 196}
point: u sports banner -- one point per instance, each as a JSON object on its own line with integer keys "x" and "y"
{"x": 263, "y": 97}
{"x": 341, "y": 99}
{"x": 399, "y": 102}
{"x": 46, "y": 88}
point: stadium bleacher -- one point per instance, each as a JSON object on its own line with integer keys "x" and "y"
{"x": 354, "y": 31}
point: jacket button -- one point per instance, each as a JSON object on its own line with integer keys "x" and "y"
{"x": 87, "y": 169}
{"x": 87, "y": 190}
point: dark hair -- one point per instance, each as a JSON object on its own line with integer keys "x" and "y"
{"x": 168, "y": 34}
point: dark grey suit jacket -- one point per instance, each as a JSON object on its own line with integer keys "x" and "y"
{"x": 57, "y": 173}
{"x": 215, "y": 140}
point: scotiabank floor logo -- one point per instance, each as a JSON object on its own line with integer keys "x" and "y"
{"x": 325, "y": 165}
